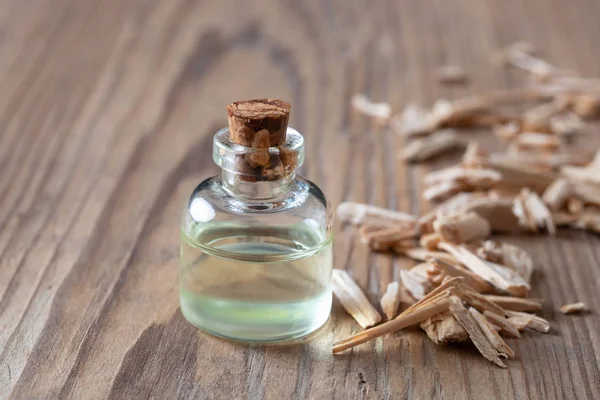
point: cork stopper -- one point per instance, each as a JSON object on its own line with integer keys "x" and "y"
{"x": 260, "y": 124}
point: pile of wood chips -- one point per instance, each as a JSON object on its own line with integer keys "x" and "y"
{"x": 467, "y": 287}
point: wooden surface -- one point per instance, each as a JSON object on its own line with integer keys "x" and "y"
{"x": 106, "y": 118}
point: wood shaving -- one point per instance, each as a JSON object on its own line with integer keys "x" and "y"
{"x": 353, "y": 299}
{"x": 499, "y": 276}
{"x": 507, "y": 132}
{"x": 378, "y": 111}
{"x": 575, "y": 206}
{"x": 442, "y": 190}
{"x": 387, "y": 237}
{"x": 525, "y": 61}
{"x": 452, "y": 269}
{"x": 416, "y": 314}
{"x": 586, "y": 105}
{"x": 357, "y": 213}
{"x": 516, "y": 177}
{"x": 532, "y": 212}
{"x": 567, "y": 124}
{"x": 557, "y": 194}
{"x": 518, "y": 260}
{"x": 493, "y": 337}
{"x": 524, "y": 320}
{"x": 474, "y": 155}
{"x": 509, "y": 255}
{"x": 423, "y": 149}
{"x": 414, "y": 284}
{"x": 444, "y": 328}
{"x": 390, "y": 301}
{"x": 534, "y": 141}
{"x": 430, "y": 241}
{"x": 573, "y": 308}
{"x": 515, "y": 303}
{"x": 479, "y": 339}
{"x": 452, "y": 205}
{"x": 451, "y": 74}
{"x": 462, "y": 228}
{"x": 543, "y": 162}
{"x": 420, "y": 254}
{"x": 413, "y": 121}
{"x": 505, "y": 325}
{"x": 471, "y": 178}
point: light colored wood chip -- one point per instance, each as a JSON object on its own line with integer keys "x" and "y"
{"x": 404, "y": 320}
{"x": 499, "y": 276}
{"x": 452, "y": 269}
{"x": 474, "y": 155}
{"x": 358, "y": 213}
{"x": 378, "y": 111}
{"x": 491, "y": 251}
{"x": 537, "y": 119}
{"x": 462, "y": 228}
{"x": 590, "y": 173}
{"x": 353, "y": 299}
{"x": 567, "y": 124}
{"x": 543, "y": 162}
{"x": 384, "y": 238}
{"x": 430, "y": 241}
{"x": 586, "y": 105}
{"x": 524, "y": 320}
{"x": 442, "y": 190}
{"x": 525, "y": 61}
{"x": 589, "y": 193}
{"x": 471, "y": 178}
{"x": 507, "y": 132}
{"x": 532, "y": 212}
{"x": 516, "y": 303}
{"x": 420, "y": 150}
{"x": 498, "y": 213}
{"x": 441, "y": 291}
{"x": 505, "y": 325}
{"x": 413, "y": 121}
{"x": 452, "y": 205}
{"x": 575, "y": 205}
{"x": 557, "y": 194}
{"x": 508, "y": 255}
{"x": 517, "y": 259}
{"x": 534, "y": 141}
{"x": 494, "y": 338}
{"x": 479, "y": 339}
{"x": 420, "y": 254}
{"x": 517, "y": 177}
{"x": 444, "y": 328}
{"x": 588, "y": 220}
{"x": 414, "y": 284}
{"x": 451, "y": 74}
{"x": 563, "y": 218}
{"x": 390, "y": 301}
{"x": 574, "y": 308}
{"x": 474, "y": 299}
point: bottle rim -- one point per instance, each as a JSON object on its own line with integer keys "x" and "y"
{"x": 227, "y": 154}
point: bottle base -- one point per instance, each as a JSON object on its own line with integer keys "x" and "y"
{"x": 240, "y": 328}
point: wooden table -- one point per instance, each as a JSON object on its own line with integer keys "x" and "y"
{"x": 107, "y": 114}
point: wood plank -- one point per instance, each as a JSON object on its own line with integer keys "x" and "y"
{"x": 106, "y": 121}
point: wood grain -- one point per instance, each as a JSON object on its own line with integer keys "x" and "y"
{"x": 106, "y": 118}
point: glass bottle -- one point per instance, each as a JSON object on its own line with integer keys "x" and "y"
{"x": 256, "y": 250}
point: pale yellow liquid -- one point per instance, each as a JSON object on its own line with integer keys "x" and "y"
{"x": 258, "y": 285}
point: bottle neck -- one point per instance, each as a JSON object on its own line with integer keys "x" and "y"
{"x": 258, "y": 190}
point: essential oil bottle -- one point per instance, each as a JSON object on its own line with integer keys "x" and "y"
{"x": 256, "y": 249}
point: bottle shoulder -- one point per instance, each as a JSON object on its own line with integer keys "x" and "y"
{"x": 210, "y": 201}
